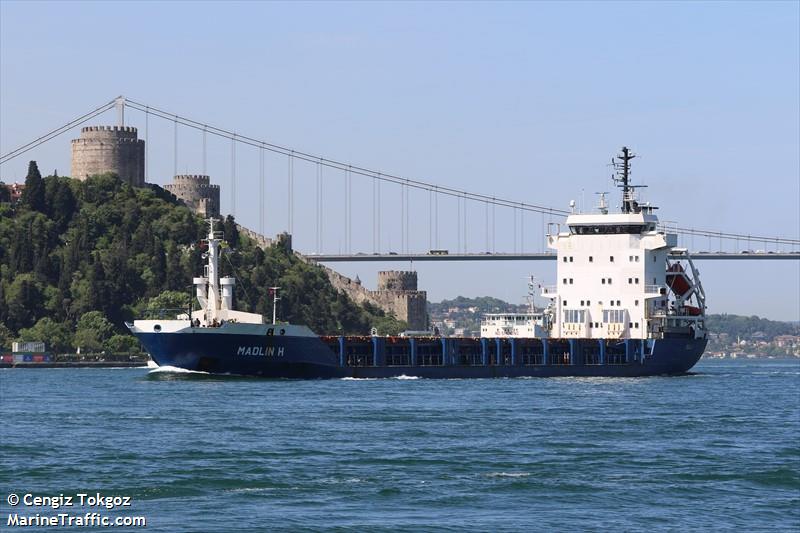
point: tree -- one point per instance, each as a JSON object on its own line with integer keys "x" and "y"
{"x": 122, "y": 344}
{"x": 5, "y": 194}
{"x": 93, "y": 331}
{"x": 24, "y": 301}
{"x": 56, "y": 336}
{"x": 230, "y": 231}
{"x": 34, "y": 194}
{"x": 6, "y": 336}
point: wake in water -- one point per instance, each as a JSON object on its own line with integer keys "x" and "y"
{"x": 175, "y": 370}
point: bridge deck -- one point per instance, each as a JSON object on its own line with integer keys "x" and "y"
{"x": 345, "y": 258}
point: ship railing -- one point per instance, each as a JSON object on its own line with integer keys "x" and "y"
{"x": 164, "y": 314}
{"x": 655, "y": 289}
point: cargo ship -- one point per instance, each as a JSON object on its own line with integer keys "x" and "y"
{"x": 628, "y": 302}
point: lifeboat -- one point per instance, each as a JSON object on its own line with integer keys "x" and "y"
{"x": 676, "y": 280}
{"x": 691, "y": 310}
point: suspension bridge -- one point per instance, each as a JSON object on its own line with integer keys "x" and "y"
{"x": 467, "y": 231}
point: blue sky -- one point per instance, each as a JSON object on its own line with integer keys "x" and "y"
{"x": 519, "y": 100}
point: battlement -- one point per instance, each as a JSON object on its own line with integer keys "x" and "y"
{"x": 397, "y": 280}
{"x": 99, "y": 139}
{"x": 190, "y": 186}
{"x": 130, "y": 129}
{"x": 192, "y": 178}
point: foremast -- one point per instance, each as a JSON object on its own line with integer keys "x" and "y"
{"x": 215, "y": 294}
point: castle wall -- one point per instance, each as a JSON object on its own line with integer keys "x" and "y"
{"x": 102, "y": 149}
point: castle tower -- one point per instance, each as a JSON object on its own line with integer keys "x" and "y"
{"x": 114, "y": 149}
{"x": 397, "y": 290}
{"x": 197, "y": 192}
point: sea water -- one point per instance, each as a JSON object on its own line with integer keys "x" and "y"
{"x": 717, "y": 449}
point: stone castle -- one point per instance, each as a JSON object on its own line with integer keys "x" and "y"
{"x": 118, "y": 149}
{"x": 103, "y": 149}
{"x": 197, "y": 192}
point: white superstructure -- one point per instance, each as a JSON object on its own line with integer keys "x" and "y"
{"x": 527, "y": 325}
{"x": 616, "y": 278}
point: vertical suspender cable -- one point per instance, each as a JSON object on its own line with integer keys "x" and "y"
{"x": 465, "y": 222}
{"x": 261, "y": 190}
{"x": 408, "y": 209}
{"x": 436, "y": 218}
{"x": 374, "y": 217}
{"x": 402, "y": 217}
{"x": 346, "y": 209}
{"x": 486, "y": 216}
{"x": 175, "y": 148}
{"x": 291, "y": 194}
{"x": 494, "y": 233}
{"x": 522, "y": 230}
{"x": 350, "y": 211}
{"x": 379, "y": 213}
{"x": 205, "y": 151}
{"x": 233, "y": 175}
{"x": 430, "y": 219}
{"x": 458, "y": 225}
{"x": 514, "y": 213}
{"x": 146, "y": 144}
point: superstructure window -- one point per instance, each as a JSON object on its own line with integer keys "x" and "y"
{"x": 603, "y": 281}
{"x": 636, "y": 302}
{"x": 565, "y": 258}
{"x": 611, "y": 258}
{"x": 637, "y": 258}
{"x": 581, "y": 303}
{"x": 591, "y": 259}
{"x": 570, "y": 281}
{"x": 618, "y": 304}
{"x": 565, "y": 281}
{"x": 570, "y": 259}
{"x": 637, "y": 281}
{"x": 609, "y": 281}
{"x": 632, "y": 229}
{"x": 630, "y": 281}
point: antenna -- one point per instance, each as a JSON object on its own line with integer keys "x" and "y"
{"x": 531, "y": 293}
{"x": 622, "y": 167}
{"x": 275, "y": 298}
{"x": 601, "y": 205}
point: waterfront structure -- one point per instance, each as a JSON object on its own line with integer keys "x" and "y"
{"x": 197, "y": 192}
{"x": 102, "y": 149}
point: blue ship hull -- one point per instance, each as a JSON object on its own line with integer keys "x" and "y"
{"x": 311, "y": 357}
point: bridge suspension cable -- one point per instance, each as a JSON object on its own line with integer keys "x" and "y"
{"x": 56, "y": 132}
{"x": 377, "y": 176}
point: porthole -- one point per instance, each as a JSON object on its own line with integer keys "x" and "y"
{"x": 157, "y": 328}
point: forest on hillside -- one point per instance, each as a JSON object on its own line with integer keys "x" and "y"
{"x": 79, "y": 258}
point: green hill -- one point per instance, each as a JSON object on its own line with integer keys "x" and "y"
{"x": 79, "y": 258}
